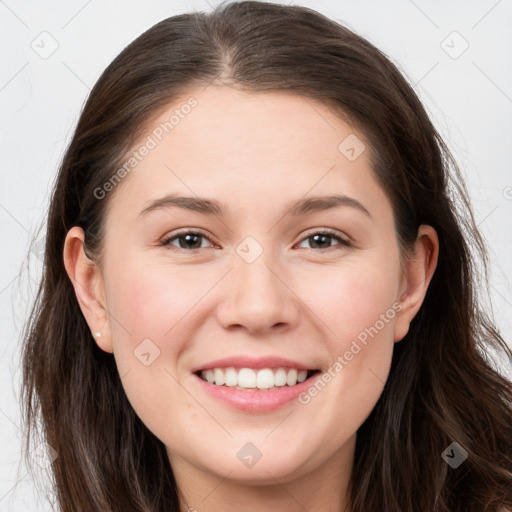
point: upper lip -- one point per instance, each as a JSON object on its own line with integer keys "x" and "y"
{"x": 245, "y": 361}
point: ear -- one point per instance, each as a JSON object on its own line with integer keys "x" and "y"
{"x": 87, "y": 281}
{"x": 417, "y": 274}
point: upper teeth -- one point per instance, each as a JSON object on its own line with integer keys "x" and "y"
{"x": 248, "y": 378}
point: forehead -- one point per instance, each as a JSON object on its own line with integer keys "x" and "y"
{"x": 232, "y": 144}
{"x": 252, "y": 128}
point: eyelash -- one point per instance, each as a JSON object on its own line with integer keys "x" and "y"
{"x": 166, "y": 242}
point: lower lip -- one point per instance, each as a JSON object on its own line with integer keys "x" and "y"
{"x": 256, "y": 400}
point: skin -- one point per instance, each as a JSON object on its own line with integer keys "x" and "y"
{"x": 254, "y": 153}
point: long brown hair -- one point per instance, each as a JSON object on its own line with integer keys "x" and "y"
{"x": 443, "y": 386}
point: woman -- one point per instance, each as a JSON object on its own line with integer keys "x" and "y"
{"x": 258, "y": 292}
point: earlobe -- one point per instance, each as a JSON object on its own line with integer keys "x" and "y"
{"x": 418, "y": 272}
{"x": 87, "y": 282}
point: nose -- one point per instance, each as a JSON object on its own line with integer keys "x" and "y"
{"x": 258, "y": 298}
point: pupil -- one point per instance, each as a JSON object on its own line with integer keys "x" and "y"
{"x": 188, "y": 237}
{"x": 315, "y": 238}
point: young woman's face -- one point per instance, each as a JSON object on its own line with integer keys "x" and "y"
{"x": 252, "y": 235}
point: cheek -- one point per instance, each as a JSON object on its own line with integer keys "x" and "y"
{"x": 351, "y": 298}
{"x": 149, "y": 311}
{"x": 358, "y": 305}
{"x": 151, "y": 302}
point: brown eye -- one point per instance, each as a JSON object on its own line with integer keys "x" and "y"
{"x": 188, "y": 240}
{"x": 323, "y": 240}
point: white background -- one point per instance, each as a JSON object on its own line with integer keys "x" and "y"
{"x": 469, "y": 99}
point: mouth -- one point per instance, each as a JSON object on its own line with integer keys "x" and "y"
{"x": 256, "y": 379}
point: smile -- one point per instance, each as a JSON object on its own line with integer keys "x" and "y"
{"x": 255, "y": 390}
{"x": 255, "y": 378}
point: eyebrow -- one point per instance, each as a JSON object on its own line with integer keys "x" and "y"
{"x": 294, "y": 208}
